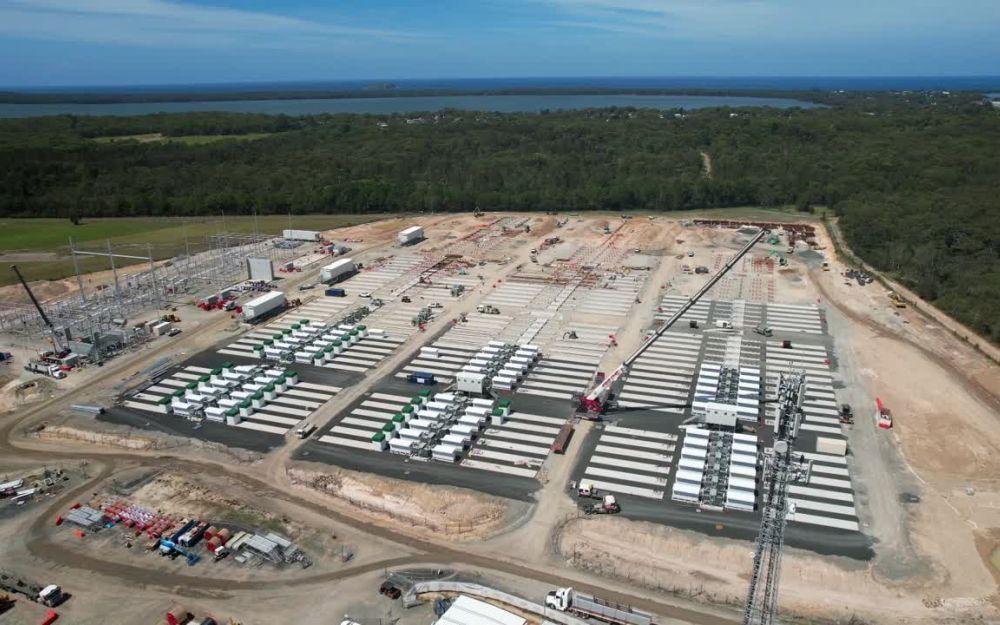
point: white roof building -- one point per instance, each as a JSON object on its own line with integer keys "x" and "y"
{"x": 468, "y": 611}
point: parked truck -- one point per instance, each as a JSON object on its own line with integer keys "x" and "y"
{"x": 607, "y": 505}
{"x": 338, "y": 270}
{"x": 569, "y": 600}
{"x": 45, "y": 368}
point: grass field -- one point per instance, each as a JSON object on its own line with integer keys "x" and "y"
{"x": 189, "y": 139}
{"x": 166, "y": 235}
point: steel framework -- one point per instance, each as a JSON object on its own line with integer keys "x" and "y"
{"x": 779, "y": 470}
{"x": 101, "y": 307}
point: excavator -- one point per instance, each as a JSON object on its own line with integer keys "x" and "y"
{"x": 601, "y": 396}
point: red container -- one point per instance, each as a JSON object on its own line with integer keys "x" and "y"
{"x": 75, "y": 506}
{"x": 50, "y": 618}
{"x": 211, "y": 531}
{"x": 224, "y": 535}
{"x": 59, "y": 520}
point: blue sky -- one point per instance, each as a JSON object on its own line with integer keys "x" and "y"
{"x": 132, "y": 42}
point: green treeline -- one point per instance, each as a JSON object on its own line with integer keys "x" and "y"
{"x": 915, "y": 182}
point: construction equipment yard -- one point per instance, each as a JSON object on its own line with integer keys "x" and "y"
{"x": 526, "y": 401}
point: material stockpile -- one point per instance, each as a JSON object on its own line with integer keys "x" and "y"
{"x": 135, "y": 517}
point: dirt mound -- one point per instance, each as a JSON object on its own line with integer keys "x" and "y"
{"x": 442, "y": 510}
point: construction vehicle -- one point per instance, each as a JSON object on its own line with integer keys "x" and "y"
{"x": 389, "y": 589}
{"x": 607, "y": 505}
{"x": 764, "y": 330}
{"x": 305, "y": 431}
{"x": 883, "y": 415}
{"x": 45, "y": 368}
{"x": 568, "y": 600}
{"x": 57, "y": 343}
{"x": 405, "y": 299}
{"x": 602, "y": 396}
{"x": 896, "y": 300}
{"x": 171, "y": 548}
{"x": 50, "y": 595}
{"x": 846, "y": 414}
{"x": 588, "y": 490}
{"x": 488, "y": 309}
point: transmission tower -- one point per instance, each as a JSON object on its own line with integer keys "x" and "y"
{"x": 779, "y": 470}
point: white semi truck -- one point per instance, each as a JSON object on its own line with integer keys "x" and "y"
{"x": 569, "y": 600}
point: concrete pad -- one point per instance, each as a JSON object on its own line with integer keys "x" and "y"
{"x": 498, "y": 468}
{"x": 624, "y": 489}
{"x": 260, "y": 427}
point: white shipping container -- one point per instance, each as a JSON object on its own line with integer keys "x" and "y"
{"x": 410, "y": 235}
{"x": 262, "y": 305}
{"x": 337, "y": 270}
{"x": 300, "y": 235}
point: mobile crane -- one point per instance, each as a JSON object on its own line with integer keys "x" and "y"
{"x": 598, "y": 399}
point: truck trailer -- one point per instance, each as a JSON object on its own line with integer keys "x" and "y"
{"x": 568, "y": 600}
{"x": 411, "y": 235}
{"x": 300, "y": 235}
{"x": 337, "y": 270}
{"x": 259, "y": 307}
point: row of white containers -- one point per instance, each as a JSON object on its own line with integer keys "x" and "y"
{"x": 432, "y": 415}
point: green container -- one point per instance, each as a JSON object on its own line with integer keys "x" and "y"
{"x": 338, "y": 343}
{"x": 258, "y": 395}
{"x": 286, "y": 331}
{"x": 353, "y": 332}
{"x": 398, "y": 418}
{"x": 163, "y": 401}
{"x": 295, "y": 326}
{"x": 304, "y": 322}
{"x": 497, "y": 412}
{"x": 192, "y": 385}
{"x": 205, "y": 378}
{"x": 425, "y": 393}
{"x": 217, "y": 371}
{"x": 504, "y": 403}
{"x": 269, "y": 342}
{"x": 227, "y": 365}
{"x": 269, "y": 388}
{"x": 245, "y": 404}
{"x": 232, "y": 412}
{"x": 289, "y": 374}
{"x": 416, "y": 401}
{"x": 281, "y": 380}
{"x": 407, "y": 408}
{"x": 379, "y": 436}
{"x": 278, "y": 336}
{"x": 179, "y": 393}
{"x": 328, "y": 349}
{"x": 388, "y": 427}
{"x": 362, "y": 328}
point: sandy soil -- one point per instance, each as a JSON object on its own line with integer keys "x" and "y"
{"x": 443, "y": 511}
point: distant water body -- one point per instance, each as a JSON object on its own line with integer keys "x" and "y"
{"x": 416, "y": 104}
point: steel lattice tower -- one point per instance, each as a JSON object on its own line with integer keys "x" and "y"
{"x": 762, "y": 598}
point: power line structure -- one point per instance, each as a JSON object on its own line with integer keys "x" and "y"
{"x": 103, "y": 307}
{"x": 781, "y": 467}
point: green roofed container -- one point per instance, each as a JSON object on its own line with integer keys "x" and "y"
{"x": 304, "y": 322}
{"x": 498, "y": 412}
{"x": 328, "y": 349}
{"x": 338, "y": 343}
{"x": 232, "y": 412}
{"x": 504, "y": 403}
{"x": 362, "y": 328}
{"x": 192, "y": 385}
{"x": 245, "y": 403}
{"x": 278, "y": 336}
{"x": 416, "y": 401}
{"x": 269, "y": 388}
{"x": 388, "y": 427}
{"x": 163, "y": 400}
{"x": 179, "y": 393}
{"x": 425, "y": 393}
{"x": 398, "y": 418}
{"x": 269, "y": 342}
{"x": 379, "y": 436}
{"x": 228, "y": 365}
{"x": 204, "y": 378}
{"x": 407, "y": 408}
{"x": 296, "y": 326}
{"x": 258, "y": 395}
{"x": 286, "y": 331}
{"x": 217, "y": 371}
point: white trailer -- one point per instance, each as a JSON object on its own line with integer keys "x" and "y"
{"x": 410, "y": 235}
{"x": 337, "y": 271}
{"x": 301, "y": 235}
{"x": 260, "y": 306}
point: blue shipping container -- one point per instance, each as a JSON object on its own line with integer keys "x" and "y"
{"x": 420, "y": 377}
{"x": 336, "y": 292}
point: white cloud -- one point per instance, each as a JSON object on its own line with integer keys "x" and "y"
{"x": 163, "y": 22}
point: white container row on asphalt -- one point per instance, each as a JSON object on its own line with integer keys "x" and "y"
{"x": 662, "y": 378}
{"x": 289, "y": 407}
{"x": 517, "y": 447}
{"x": 358, "y": 357}
{"x": 615, "y": 296}
{"x": 804, "y": 318}
{"x": 630, "y": 461}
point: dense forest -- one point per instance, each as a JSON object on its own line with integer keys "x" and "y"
{"x": 913, "y": 179}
